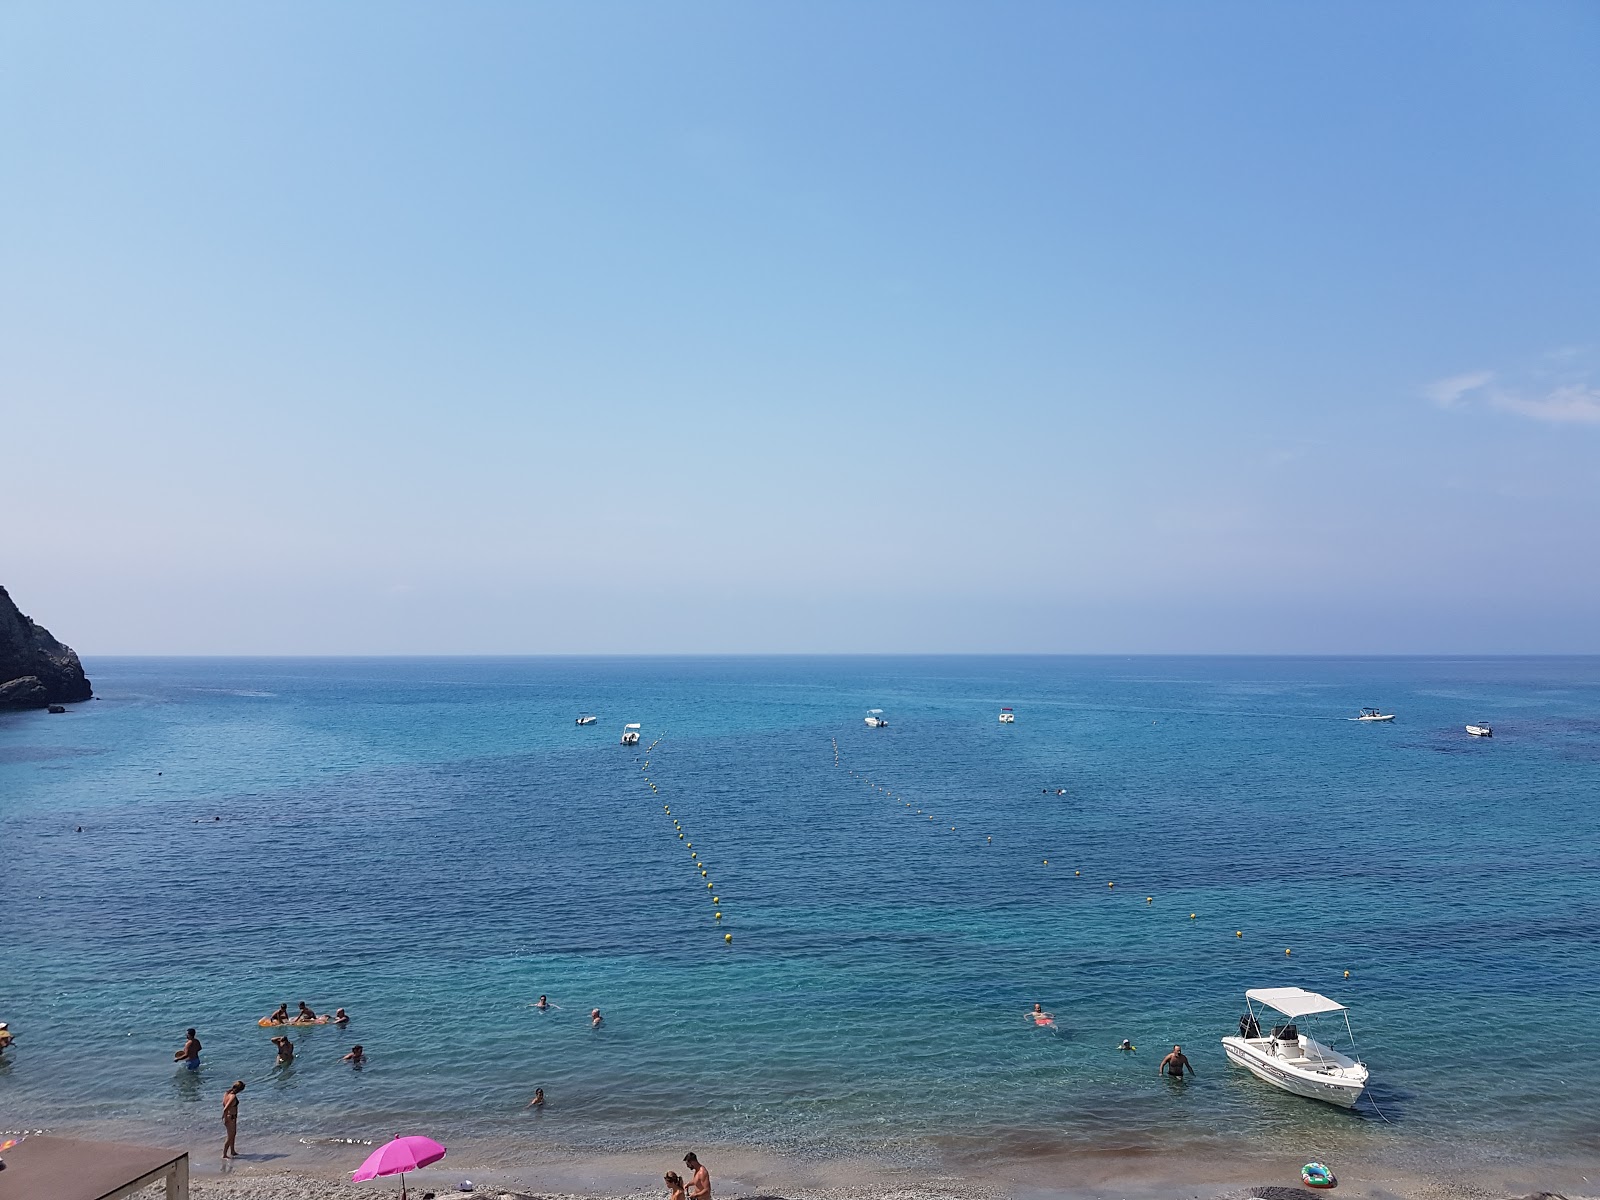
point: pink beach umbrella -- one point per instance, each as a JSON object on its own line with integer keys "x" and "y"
{"x": 399, "y": 1156}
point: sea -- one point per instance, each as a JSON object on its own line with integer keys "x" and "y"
{"x": 805, "y": 935}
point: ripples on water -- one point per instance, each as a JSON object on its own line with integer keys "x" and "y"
{"x": 433, "y": 843}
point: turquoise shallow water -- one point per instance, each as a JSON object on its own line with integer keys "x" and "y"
{"x": 433, "y": 843}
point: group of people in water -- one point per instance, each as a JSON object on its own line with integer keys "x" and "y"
{"x": 1175, "y": 1065}
{"x": 188, "y": 1055}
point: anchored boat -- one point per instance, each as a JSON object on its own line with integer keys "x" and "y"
{"x": 1289, "y": 1059}
{"x": 875, "y": 718}
{"x": 586, "y": 719}
{"x": 1372, "y": 714}
{"x": 1007, "y": 717}
{"x": 630, "y": 734}
{"x": 1481, "y": 729}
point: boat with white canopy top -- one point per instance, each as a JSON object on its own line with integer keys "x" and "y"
{"x": 875, "y": 718}
{"x": 1289, "y": 1059}
{"x": 1373, "y": 714}
{"x": 630, "y": 734}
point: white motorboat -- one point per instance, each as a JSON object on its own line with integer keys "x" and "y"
{"x": 586, "y": 719}
{"x": 1372, "y": 714}
{"x": 630, "y": 734}
{"x": 1007, "y": 717}
{"x": 875, "y": 718}
{"x": 1289, "y": 1059}
{"x": 1481, "y": 729}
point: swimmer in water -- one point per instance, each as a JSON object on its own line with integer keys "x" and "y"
{"x": 1125, "y": 1044}
{"x": 341, "y": 1018}
{"x": 285, "y": 1050}
{"x": 538, "y": 1099}
{"x": 544, "y": 1003}
{"x": 356, "y": 1057}
{"x": 1039, "y": 1017}
{"x": 595, "y": 1018}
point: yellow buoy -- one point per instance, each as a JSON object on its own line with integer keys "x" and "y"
{"x": 727, "y": 937}
{"x": 708, "y": 885}
{"x": 680, "y": 835}
{"x": 1111, "y": 884}
{"x": 1347, "y": 974}
{"x": 702, "y": 874}
{"x": 716, "y": 899}
{"x": 718, "y": 916}
{"x": 1286, "y": 949}
{"x": 991, "y": 839}
{"x": 1191, "y": 916}
{"x": 1077, "y": 872}
{"x": 1047, "y": 862}
{"x": 1238, "y": 933}
{"x": 1149, "y": 899}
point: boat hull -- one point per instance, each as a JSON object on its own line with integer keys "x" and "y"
{"x": 1310, "y": 1084}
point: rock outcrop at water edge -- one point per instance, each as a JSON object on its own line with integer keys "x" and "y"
{"x": 35, "y": 670}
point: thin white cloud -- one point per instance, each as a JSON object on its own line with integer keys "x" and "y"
{"x": 1557, "y": 388}
{"x": 1447, "y": 393}
{"x": 1575, "y": 403}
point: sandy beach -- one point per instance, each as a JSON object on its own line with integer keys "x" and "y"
{"x": 745, "y": 1175}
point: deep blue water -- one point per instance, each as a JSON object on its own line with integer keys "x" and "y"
{"x": 433, "y": 843}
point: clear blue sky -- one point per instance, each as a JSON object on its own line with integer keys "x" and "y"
{"x": 517, "y": 327}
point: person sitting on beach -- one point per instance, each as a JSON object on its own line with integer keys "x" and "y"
{"x": 305, "y": 1016}
{"x": 700, "y": 1178}
{"x": 356, "y": 1057}
{"x": 281, "y": 1016}
{"x": 595, "y": 1018}
{"x": 538, "y": 1099}
{"x": 341, "y": 1018}
{"x": 285, "y": 1050}
{"x": 189, "y": 1056}
{"x": 674, "y": 1183}
{"x": 1175, "y": 1064}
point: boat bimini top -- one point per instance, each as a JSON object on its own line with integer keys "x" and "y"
{"x": 1293, "y": 1002}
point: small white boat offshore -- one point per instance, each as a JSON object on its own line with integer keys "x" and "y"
{"x": 586, "y": 719}
{"x": 1481, "y": 729}
{"x": 1290, "y": 1059}
{"x": 1372, "y": 714}
{"x": 630, "y": 734}
{"x": 875, "y": 718}
{"x": 1007, "y": 717}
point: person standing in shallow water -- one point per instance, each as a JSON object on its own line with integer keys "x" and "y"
{"x": 1175, "y": 1064}
{"x": 189, "y": 1056}
{"x": 230, "y": 1117}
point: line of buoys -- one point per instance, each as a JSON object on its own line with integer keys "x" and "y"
{"x": 694, "y": 855}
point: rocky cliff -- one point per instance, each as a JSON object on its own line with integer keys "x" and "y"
{"x": 35, "y": 669}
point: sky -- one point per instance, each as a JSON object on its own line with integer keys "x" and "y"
{"x": 520, "y": 328}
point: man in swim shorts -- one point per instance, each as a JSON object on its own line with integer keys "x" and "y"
{"x": 285, "y": 1050}
{"x": 700, "y": 1184}
{"x": 189, "y": 1056}
{"x": 1038, "y": 1015}
{"x": 1175, "y": 1064}
{"x": 341, "y": 1018}
{"x": 305, "y": 1015}
{"x": 281, "y": 1015}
